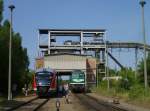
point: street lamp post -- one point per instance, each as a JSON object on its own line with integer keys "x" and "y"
{"x": 11, "y": 7}
{"x": 142, "y": 3}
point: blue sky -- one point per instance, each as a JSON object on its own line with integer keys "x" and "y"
{"x": 121, "y": 18}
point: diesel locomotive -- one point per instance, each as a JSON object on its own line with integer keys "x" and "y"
{"x": 77, "y": 81}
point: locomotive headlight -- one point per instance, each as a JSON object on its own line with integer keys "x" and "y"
{"x": 40, "y": 83}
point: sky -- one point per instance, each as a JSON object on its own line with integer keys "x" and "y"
{"x": 121, "y": 19}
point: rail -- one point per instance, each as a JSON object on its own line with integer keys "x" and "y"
{"x": 100, "y": 104}
{"x": 37, "y": 107}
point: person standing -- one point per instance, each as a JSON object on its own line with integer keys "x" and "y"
{"x": 66, "y": 89}
{"x": 14, "y": 89}
{"x": 60, "y": 90}
{"x": 26, "y": 89}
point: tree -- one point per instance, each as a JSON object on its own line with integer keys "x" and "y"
{"x": 20, "y": 61}
{"x": 1, "y": 11}
{"x": 4, "y": 41}
{"x": 128, "y": 78}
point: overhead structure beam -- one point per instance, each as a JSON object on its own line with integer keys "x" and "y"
{"x": 45, "y": 31}
{"x": 49, "y": 42}
{"x": 81, "y": 42}
{"x": 102, "y": 45}
{"x": 119, "y": 64}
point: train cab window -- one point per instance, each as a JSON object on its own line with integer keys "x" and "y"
{"x": 78, "y": 75}
{"x": 43, "y": 76}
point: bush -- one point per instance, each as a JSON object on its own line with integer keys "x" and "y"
{"x": 103, "y": 84}
{"x": 137, "y": 91}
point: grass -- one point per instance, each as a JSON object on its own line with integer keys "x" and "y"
{"x": 137, "y": 95}
{"x": 110, "y": 93}
{"x": 2, "y": 98}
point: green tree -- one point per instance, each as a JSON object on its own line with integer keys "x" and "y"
{"x": 20, "y": 61}
{"x": 4, "y": 44}
{"x": 128, "y": 78}
{"x": 1, "y": 11}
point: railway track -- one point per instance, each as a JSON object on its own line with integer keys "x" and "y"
{"x": 32, "y": 105}
{"x": 97, "y": 105}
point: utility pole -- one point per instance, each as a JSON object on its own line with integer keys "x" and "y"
{"x": 107, "y": 67}
{"x": 11, "y": 7}
{"x": 142, "y": 3}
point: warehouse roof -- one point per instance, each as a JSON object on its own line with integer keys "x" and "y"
{"x": 45, "y": 31}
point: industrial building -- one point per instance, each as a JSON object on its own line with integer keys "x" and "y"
{"x": 64, "y": 64}
{"x": 73, "y": 53}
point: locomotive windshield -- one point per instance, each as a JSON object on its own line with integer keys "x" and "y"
{"x": 77, "y": 76}
{"x": 43, "y": 78}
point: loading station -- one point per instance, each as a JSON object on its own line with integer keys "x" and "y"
{"x": 89, "y": 41}
{"x": 64, "y": 64}
{"x": 75, "y": 41}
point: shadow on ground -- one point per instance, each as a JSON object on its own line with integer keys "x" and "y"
{"x": 5, "y": 104}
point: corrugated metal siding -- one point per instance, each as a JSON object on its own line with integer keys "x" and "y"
{"x": 65, "y": 62}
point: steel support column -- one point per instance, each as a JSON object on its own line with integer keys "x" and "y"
{"x": 81, "y": 42}
{"x": 107, "y": 68}
{"x": 38, "y": 44}
{"x": 97, "y": 55}
{"x": 136, "y": 60}
{"x": 49, "y": 42}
